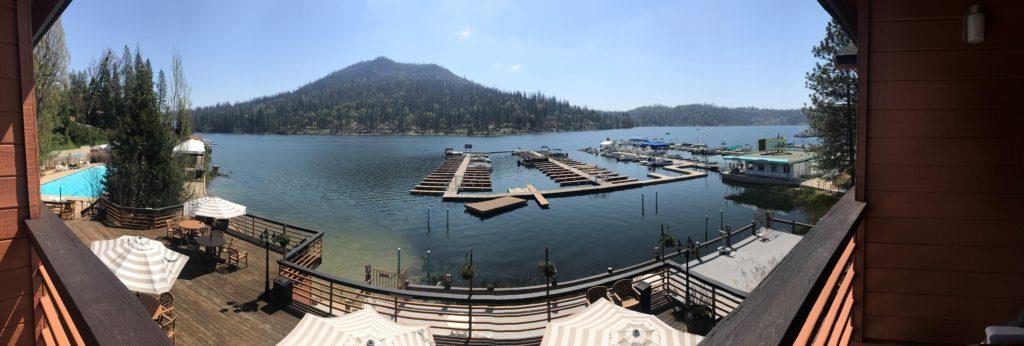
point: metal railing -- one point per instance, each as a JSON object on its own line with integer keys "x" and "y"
{"x": 251, "y": 228}
{"x": 491, "y": 313}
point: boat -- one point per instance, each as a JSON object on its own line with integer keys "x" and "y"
{"x": 451, "y": 152}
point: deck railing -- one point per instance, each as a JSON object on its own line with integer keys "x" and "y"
{"x": 808, "y": 297}
{"x": 138, "y": 218}
{"x": 517, "y": 314}
{"x": 77, "y": 299}
{"x": 251, "y": 228}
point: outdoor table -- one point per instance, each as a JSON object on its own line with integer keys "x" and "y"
{"x": 152, "y": 305}
{"x": 210, "y": 243}
{"x": 192, "y": 226}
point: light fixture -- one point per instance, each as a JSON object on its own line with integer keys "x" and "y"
{"x": 974, "y": 25}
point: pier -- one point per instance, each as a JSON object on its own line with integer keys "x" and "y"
{"x": 541, "y": 201}
{"x": 490, "y": 207}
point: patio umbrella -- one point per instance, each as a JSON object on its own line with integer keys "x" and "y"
{"x": 144, "y": 265}
{"x": 360, "y": 328}
{"x": 214, "y": 207}
{"x": 604, "y": 323}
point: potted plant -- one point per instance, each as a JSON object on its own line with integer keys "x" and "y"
{"x": 667, "y": 241}
{"x": 282, "y": 240}
{"x": 547, "y": 268}
{"x": 468, "y": 272}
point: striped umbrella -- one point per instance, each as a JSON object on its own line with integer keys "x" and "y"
{"x": 604, "y": 323}
{"x": 143, "y": 265}
{"x": 214, "y": 207}
{"x": 360, "y": 328}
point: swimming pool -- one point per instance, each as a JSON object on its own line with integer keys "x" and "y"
{"x": 87, "y": 183}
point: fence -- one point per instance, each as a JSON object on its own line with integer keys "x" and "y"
{"x": 138, "y": 218}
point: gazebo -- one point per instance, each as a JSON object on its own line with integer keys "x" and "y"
{"x": 193, "y": 152}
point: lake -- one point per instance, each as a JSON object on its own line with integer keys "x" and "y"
{"x": 355, "y": 189}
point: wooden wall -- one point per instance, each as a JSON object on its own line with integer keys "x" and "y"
{"x": 943, "y": 146}
{"x": 19, "y": 177}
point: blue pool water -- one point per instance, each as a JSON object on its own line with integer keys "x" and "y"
{"x": 87, "y": 183}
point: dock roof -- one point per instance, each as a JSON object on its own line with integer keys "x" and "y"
{"x": 787, "y": 157}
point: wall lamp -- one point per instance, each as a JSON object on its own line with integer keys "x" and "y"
{"x": 974, "y": 25}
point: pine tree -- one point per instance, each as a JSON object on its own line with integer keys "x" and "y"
{"x": 833, "y": 109}
{"x": 161, "y": 93}
{"x": 143, "y": 171}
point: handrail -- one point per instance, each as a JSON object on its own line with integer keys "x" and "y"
{"x": 776, "y": 310}
{"x": 96, "y": 304}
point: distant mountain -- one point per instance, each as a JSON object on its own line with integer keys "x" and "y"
{"x": 385, "y": 97}
{"x": 712, "y": 115}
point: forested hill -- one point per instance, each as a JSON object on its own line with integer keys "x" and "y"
{"x": 385, "y": 97}
{"x": 712, "y": 115}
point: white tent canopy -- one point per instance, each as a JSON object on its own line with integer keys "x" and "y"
{"x": 191, "y": 146}
{"x": 214, "y": 207}
{"x": 357, "y": 329}
{"x": 143, "y": 265}
{"x": 604, "y": 323}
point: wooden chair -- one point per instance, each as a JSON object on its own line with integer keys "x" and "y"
{"x": 167, "y": 300}
{"x": 235, "y": 256}
{"x": 624, "y": 294}
{"x": 174, "y": 234}
{"x": 596, "y": 293}
{"x": 166, "y": 321}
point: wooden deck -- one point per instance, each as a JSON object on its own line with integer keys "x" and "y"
{"x": 214, "y": 307}
{"x": 495, "y": 205}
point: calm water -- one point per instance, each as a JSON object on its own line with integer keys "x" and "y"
{"x": 355, "y": 189}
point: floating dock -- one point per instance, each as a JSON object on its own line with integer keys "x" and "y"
{"x": 541, "y": 201}
{"x": 496, "y": 205}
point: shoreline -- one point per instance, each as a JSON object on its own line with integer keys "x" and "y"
{"x": 410, "y": 134}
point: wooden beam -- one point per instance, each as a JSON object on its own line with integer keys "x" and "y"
{"x": 44, "y": 14}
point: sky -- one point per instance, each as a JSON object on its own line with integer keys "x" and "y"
{"x": 608, "y": 55}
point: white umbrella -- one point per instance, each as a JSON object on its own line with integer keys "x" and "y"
{"x": 144, "y": 265}
{"x": 604, "y": 323}
{"x": 360, "y": 328}
{"x": 214, "y": 207}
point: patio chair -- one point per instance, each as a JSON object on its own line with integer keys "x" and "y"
{"x": 166, "y": 320}
{"x": 167, "y": 300}
{"x": 596, "y": 293}
{"x": 624, "y": 294}
{"x": 236, "y": 257}
{"x": 174, "y": 234}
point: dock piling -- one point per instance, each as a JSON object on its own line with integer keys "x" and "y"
{"x": 447, "y": 225}
{"x": 655, "y": 202}
{"x": 428, "y": 219}
{"x": 642, "y": 201}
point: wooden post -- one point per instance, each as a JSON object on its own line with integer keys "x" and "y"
{"x": 714, "y": 304}
{"x": 396, "y": 309}
{"x": 768, "y": 219}
{"x": 470, "y": 335}
{"x": 705, "y": 228}
{"x": 655, "y": 202}
{"x": 330, "y": 301}
{"x": 642, "y": 201}
{"x": 446, "y": 223}
{"x": 547, "y": 283}
{"x": 687, "y": 277}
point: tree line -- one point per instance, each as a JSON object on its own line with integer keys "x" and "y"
{"x": 712, "y": 115}
{"x": 385, "y": 97}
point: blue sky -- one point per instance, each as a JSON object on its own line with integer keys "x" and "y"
{"x": 611, "y": 55}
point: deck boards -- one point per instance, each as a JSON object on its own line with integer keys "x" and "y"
{"x": 495, "y": 205}
{"x": 213, "y": 307}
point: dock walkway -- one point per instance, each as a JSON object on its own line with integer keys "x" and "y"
{"x": 496, "y": 205}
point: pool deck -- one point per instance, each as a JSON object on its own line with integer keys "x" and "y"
{"x": 51, "y": 175}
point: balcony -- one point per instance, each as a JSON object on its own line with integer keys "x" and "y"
{"x": 77, "y": 300}
{"x": 808, "y": 298}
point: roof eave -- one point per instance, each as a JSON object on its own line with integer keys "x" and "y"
{"x": 845, "y": 13}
